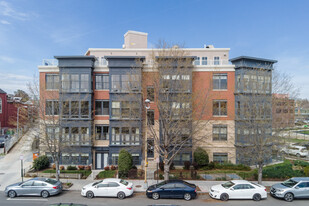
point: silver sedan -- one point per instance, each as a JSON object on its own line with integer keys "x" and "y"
{"x": 38, "y": 186}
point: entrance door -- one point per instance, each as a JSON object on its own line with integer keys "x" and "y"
{"x": 101, "y": 160}
{"x": 150, "y": 148}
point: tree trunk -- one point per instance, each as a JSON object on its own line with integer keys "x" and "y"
{"x": 260, "y": 174}
{"x": 166, "y": 171}
{"x": 57, "y": 169}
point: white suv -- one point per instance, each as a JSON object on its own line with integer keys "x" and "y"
{"x": 299, "y": 151}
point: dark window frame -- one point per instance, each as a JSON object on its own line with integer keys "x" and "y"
{"x": 53, "y": 85}
{"x": 220, "y": 136}
{"x": 219, "y": 111}
{"x": 220, "y": 77}
{"x": 103, "y": 134}
{"x": 103, "y": 110}
{"x": 103, "y": 83}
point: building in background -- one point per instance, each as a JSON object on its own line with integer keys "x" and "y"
{"x": 283, "y": 111}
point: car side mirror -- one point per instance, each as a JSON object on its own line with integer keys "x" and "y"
{"x": 96, "y": 186}
{"x": 232, "y": 189}
{"x": 296, "y": 187}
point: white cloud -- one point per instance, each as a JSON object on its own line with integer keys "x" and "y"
{"x": 4, "y": 22}
{"x": 7, "y": 10}
{"x": 11, "y": 82}
{"x": 7, "y": 59}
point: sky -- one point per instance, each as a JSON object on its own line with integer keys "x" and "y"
{"x": 33, "y": 30}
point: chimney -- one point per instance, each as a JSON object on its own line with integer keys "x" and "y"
{"x": 135, "y": 40}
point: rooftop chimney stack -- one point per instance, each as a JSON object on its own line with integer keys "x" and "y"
{"x": 135, "y": 40}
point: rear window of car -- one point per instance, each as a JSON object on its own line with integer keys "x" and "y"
{"x": 124, "y": 182}
{"x": 51, "y": 181}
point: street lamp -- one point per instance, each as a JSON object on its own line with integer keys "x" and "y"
{"x": 147, "y": 106}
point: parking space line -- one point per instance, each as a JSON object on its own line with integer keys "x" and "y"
{"x": 43, "y": 200}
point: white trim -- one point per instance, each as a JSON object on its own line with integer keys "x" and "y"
{"x": 101, "y": 69}
{"x": 212, "y": 69}
{"x": 135, "y": 32}
{"x": 48, "y": 69}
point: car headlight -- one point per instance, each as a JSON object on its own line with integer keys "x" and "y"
{"x": 149, "y": 190}
{"x": 278, "y": 190}
{"x": 83, "y": 188}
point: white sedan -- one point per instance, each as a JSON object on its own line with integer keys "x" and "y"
{"x": 110, "y": 187}
{"x": 238, "y": 189}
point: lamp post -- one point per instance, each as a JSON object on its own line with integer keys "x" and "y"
{"x": 147, "y": 106}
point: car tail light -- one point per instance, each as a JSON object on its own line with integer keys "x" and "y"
{"x": 129, "y": 188}
{"x": 195, "y": 190}
{"x": 265, "y": 190}
{"x": 56, "y": 187}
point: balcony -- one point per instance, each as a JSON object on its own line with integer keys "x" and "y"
{"x": 50, "y": 62}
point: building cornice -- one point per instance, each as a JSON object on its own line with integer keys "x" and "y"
{"x": 48, "y": 69}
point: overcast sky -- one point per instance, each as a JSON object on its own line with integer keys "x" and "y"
{"x": 32, "y": 30}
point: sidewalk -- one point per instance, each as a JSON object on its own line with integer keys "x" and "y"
{"x": 203, "y": 185}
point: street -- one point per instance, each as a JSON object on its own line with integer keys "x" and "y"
{"x": 138, "y": 199}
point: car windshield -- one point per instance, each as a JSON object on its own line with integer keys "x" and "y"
{"x": 228, "y": 184}
{"x": 255, "y": 184}
{"x": 289, "y": 183}
{"x": 161, "y": 183}
{"x": 94, "y": 184}
{"x": 124, "y": 182}
{"x": 303, "y": 150}
{"x": 51, "y": 181}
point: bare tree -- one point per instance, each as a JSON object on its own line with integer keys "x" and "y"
{"x": 178, "y": 107}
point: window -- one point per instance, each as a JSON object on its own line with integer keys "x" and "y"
{"x": 52, "y": 81}
{"x": 75, "y": 159}
{"x": 135, "y": 135}
{"x": 115, "y": 109}
{"x": 74, "y": 109}
{"x": 52, "y": 107}
{"x": 150, "y": 117}
{"x": 204, "y": 60}
{"x": 102, "y": 107}
{"x": 220, "y": 157}
{"x": 197, "y": 61}
{"x": 84, "y": 159}
{"x": 113, "y": 184}
{"x": 125, "y": 109}
{"x": 103, "y": 185}
{"x": 74, "y": 136}
{"x": 303, "y": 185}
{"x": 101, "y": 132}
{"x": 135, "y": 158}
{"x": 85, "y": 138}
{"x": 115, "y": 135}
{"x": 0, "y": 106}
{"x": 75, "y": 82}
{"x": 125, "y": 133}
{"x": 66, "y": 134}
{"x": 84, "y": 109}
{"x": 150, "y": 93}
{"x": 102, "y": 82}
{"x": 216, "y": 60}
{"x": 219, "y": 107}
{"x": 115, "y": 159}
{"x": 116, "y": 83}
{"x": 52, "y": 131}
{"x": 219, "y": 81}
{"x": 219, "y": 132}
{"x": 65, "y": 158}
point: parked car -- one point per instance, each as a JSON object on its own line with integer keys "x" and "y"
{"x": 172, "y": 189}
{"x": 38, "y": 186}
{"x": 66, "y": 204}
{"x": 110, "y": 187}
{"x": 304, "y": 144}
{"x": 299, "y": 151}
{"x": 296, "y": 187}
{"x": 238, "y": 189}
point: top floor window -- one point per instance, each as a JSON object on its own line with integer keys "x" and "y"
{"x": 75, "y": 82}
{"x": 0, "y": 106}
{"x": 204, "y": 60}
{"x": 52, "y": 81}
{"x": 219, "y": 81}
{"x": 216, "y": 60}
{"x": 150, "y": 93}
{"x": 197, "y": 61}
{"x": 102, "y": 81}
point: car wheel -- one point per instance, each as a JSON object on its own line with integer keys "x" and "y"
{"x": 187, "y": 196}
{"x": 44, "y": 194}
{"x": 121, "y": 195}
{"x": 155, "y": 196}
{"x": 12, "y": 194}
{"x": 224, "y": 197}
{"x": 256, "y": 197}
{"x": 298, "y": 155}
{"x": 288, "y": 197}
{"x": 89, "y": 194}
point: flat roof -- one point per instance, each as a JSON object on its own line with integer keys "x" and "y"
{"x": 253, "y": 58}
{"x": 75, "y": 57}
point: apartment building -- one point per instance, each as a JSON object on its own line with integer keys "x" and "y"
{"x": 99, "y": 116}
{"x": 283, "y": 111}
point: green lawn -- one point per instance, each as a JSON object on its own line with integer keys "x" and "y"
{"x": 296, "y": 140}
{"x": 106, "y": 174}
